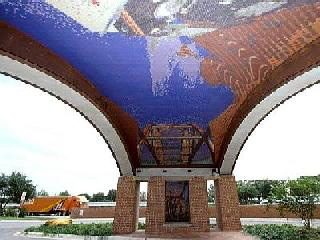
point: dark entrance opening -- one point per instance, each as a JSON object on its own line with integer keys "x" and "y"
{"x": 177, "y": 201}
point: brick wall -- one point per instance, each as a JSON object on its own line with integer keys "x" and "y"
{"x": 263, "y": 211}
{"x": 155, "y": 214}
{"x": 126, "y": 210}
{"x": 227, "y": 204}
{"x": 246, "y": 211}
{"x": 93, "y": 212}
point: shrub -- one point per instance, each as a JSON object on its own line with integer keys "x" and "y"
{"x": 282, "y": 232}
{"x": 76, "y": 229}
{"x": 11, "y": 212}
{"x": 141, "y": 225}
{"x": 22, "y": 212}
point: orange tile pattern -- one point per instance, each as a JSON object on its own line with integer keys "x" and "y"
{"x": 246, "y": 55}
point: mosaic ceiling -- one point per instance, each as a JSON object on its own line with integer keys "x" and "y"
{"x": 180, "y": 68}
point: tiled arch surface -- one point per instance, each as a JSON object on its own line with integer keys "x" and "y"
{"x": 254, "y": 58}
{"x": 258, "y": 57}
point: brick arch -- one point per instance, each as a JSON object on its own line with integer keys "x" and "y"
{"x": 297, "y": 73}
{"x": 24, "y": 58}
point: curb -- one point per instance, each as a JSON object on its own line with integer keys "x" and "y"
{"x": 73, "y": 237}
{"x": 22, "y": 221}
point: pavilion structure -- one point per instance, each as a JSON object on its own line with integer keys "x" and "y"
{"x": 175, "y": 87}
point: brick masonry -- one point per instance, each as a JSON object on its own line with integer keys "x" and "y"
{"x": 155, "y": 214}
{"x": 126, "y": 211}
{"x": 246, "y": 211}
{"x": 227, "y": 204}
{"x": 227, "y": 210}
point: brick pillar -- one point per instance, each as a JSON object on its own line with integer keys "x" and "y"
{"x": 127, "y": 203}
{"x": 227, "y": 203}
{"x": 199, "y": 213}
{"x": 155, "y": 214}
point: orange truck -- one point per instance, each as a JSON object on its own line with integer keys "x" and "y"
{"x": 58, "y": 205}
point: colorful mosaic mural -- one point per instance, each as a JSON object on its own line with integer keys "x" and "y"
{"x": 177, "y": 201}
{"x": 170, "y": 64}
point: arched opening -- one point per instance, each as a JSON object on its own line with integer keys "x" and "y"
{"x": 261, "y": 110}
{"x": 74, "y": 99}
{"x": 51, "y": 143}
{"x": 285, "y": 144}
{"x": 248, "y": 55}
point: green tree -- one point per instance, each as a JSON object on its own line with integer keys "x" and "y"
{"x": 298, "y": 197}
{"x": 98, "y": 197}
{"x": 64, "y": 193}
{"x": 264, "y": 188}
{"x": 247, "y": 192}
{"x": 211, "y": 193}
{"x": 17, "y": 184}
{"x": 11, "y": 188}
{"x": 43, "y": 193}
{"x": 111, "y": 196}
{"x": 4, "y": 188}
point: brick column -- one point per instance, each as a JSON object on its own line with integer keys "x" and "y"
{"x": 199, "y": 213}
{"x": 127, "y": 203}
{"x": 155, "y": 214}
{"x": 227, "y": 203}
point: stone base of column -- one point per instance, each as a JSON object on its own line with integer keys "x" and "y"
{"x": 155, "y": 214}
{"x": 227, "y": 204}
{"x": 127, "y": 203}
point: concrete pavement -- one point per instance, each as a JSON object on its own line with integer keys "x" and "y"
{"x": 9, "y": 227}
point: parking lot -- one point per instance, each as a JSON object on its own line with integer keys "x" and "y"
{"x": 9, "y": 228}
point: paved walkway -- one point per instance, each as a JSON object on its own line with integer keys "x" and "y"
{"x": 244, "y": 221}
{"x": 140, "y": 235}
{"x": 9, "y": 228}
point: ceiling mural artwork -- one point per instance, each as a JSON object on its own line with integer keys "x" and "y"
{"x": 179, "y": 68}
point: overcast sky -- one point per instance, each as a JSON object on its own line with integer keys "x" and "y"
{"x": 59, "y": 150}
